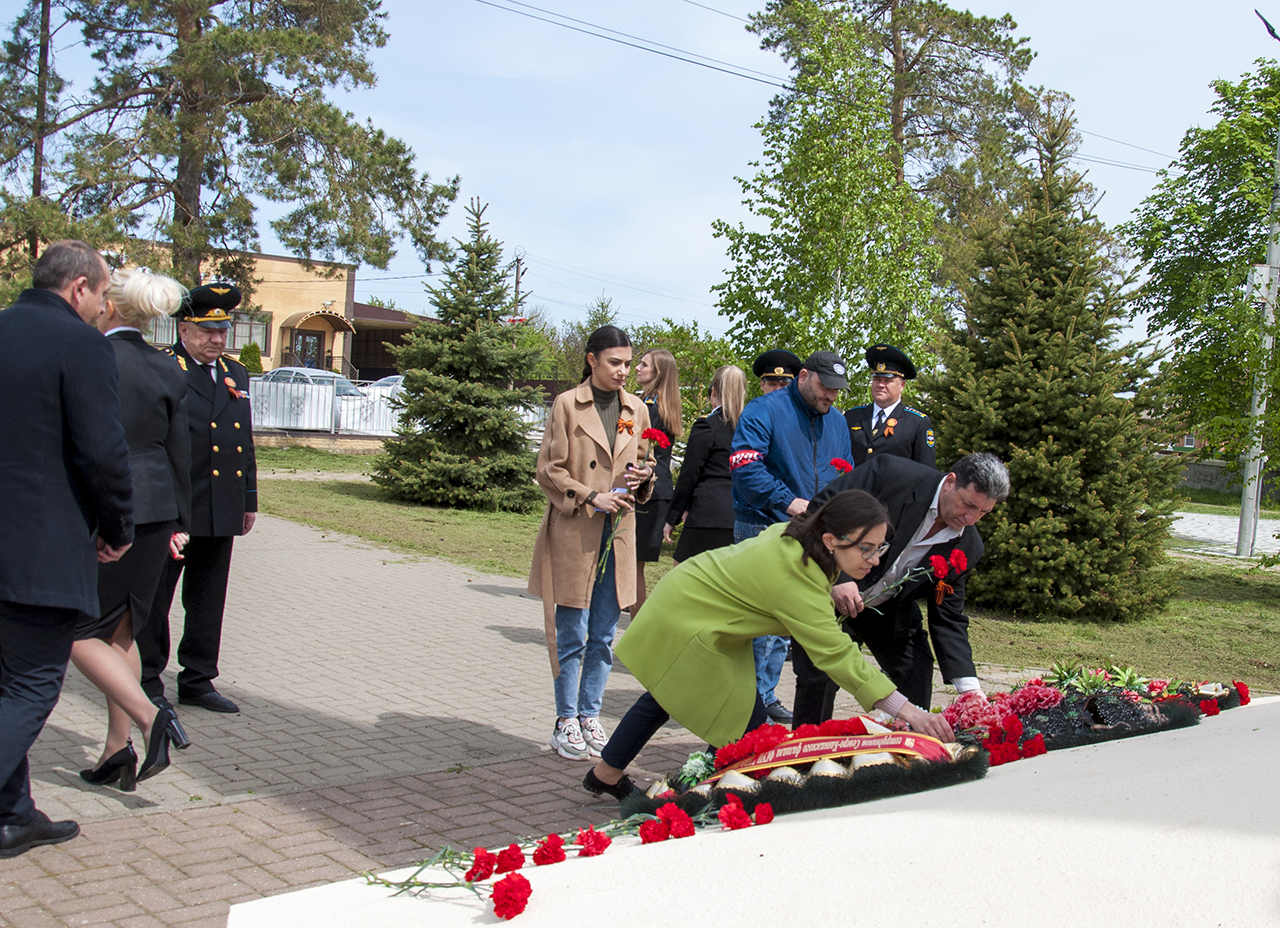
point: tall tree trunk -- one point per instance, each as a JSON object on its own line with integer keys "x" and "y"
{"x": 897, "y": 103}
{"x": 37, "y": 130}
{"x": 191, "y": 153}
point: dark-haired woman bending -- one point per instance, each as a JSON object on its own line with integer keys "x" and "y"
{"x": 691, "y": 645}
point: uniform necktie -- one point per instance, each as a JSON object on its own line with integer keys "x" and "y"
{"x": 879, "y": 420}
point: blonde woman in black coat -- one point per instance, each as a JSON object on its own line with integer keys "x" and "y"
{"x": 703, "y": 497}
{"x": 153, "y": 408}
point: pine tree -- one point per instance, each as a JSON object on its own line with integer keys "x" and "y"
{"x": 461, "y": 441}
{"x": 1041, "y": 380}
{"x": 251, "y": 358}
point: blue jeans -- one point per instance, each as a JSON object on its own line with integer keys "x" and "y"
{"x": 584, "y": 643}
{"x": 770, "y": 650}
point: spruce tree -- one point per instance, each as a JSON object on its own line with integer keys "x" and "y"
{"x": 461, "y": 442}
{"x": 1040, "y": 378}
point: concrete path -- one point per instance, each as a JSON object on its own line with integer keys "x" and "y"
{"x": 390, "y": 704}
{"x": 1217, "y": 534}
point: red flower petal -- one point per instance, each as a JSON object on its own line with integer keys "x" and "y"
{"x": 511, "y": 895}
{"x": 653, "y": 831}
{"x": 510, "y": 858}
{"x": 959, "y": 560}
{"x": 1243, "y": 689}
{"x": 592, "y": 842}
{"x": 764, "y": 813}
{"x": 482, "y": 866}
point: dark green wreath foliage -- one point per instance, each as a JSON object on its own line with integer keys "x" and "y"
{"x": 1039, "y": 377}
{"x": 462, "y": 442}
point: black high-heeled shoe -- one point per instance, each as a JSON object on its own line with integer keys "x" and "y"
{"x": 157, "y": 758}
{"x": 120, "y": 768}
{"x": 178, "y": 734}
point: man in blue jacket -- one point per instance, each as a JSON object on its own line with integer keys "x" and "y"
{"x": 67, "y": 494}
{"x": 781, "y": 457}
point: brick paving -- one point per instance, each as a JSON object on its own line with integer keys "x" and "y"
{"x": 389, "y": 705}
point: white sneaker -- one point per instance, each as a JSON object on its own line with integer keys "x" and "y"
{"x": 567, "y": 740}
{"x": 594, "y": 735}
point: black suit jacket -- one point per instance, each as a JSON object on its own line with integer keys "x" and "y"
{"x": 64, "y": 464}
{"x": 153, "y": 408}
{"x": 705, "y": 489}
{"x": 224, "y": 469}
{"x": 662, "y": 456}
{"x": 906, "y": 489}
{"x": 912, "y": 436}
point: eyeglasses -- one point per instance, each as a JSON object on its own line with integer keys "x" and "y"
{"x": 868, "y": 551}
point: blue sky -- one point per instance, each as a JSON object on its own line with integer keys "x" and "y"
{"x": 607, "y": 165}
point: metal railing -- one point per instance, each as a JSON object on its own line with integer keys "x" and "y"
{"x": 324, "y": 406}
{"x": 337, "y": 406}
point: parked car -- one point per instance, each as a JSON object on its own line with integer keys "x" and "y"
{"x": 303, "y": 398}
{"x": 307, "y": 375}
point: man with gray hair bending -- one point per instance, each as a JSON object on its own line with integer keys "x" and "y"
{"x": 933, "y": 516}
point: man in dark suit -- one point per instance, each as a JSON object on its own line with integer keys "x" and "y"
{"x": 886, "y": 425}
{"x": 934, "y": 517}
{"x": 224, "y": 502}
{"x": 65, "y": 483}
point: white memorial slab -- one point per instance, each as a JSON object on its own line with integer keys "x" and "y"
{"x": 1179, "y": 828}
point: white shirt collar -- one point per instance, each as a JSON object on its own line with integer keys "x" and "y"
{"x": 122, "y": 328}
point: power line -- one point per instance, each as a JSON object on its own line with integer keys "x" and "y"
{"x": 740, "y": 19}
{"x": 656, "y": 48}
{"x": 731, "y": 69}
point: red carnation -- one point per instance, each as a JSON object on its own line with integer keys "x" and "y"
{"x": 653, "y": 831}
{"x": 1034, "y": 747}
{"x": 940, "y": 566}
{"x": 550, "y": 850}
{"x": 592, "y": 842}
{"x": 1243, "y": 689}
{"x": 657, "y": 436}
{"x": 510, "y": 858}
{"x": 959, "y": 560}
{"x": 1001, "y": 752}
{"x": 764, "y": 813}
{"x": 482, "y": 866}
{"x": 1209, "y": 707}
{"x": 677, "y": 820}
{"x": 1012, "y": 726}
{"x": 841, "y": 465}
{"x": 732, "y": 816}
{"x": 511, "y": 895}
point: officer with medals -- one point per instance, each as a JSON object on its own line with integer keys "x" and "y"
{"x": 224, "y": 502}
{"x": 886, "y": 425}
{"x": 776, "y": 369}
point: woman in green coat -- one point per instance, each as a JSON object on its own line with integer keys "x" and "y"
{"x": 691, "y": 644}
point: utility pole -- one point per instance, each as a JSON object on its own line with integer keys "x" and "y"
{"x": 1267, "y": 278}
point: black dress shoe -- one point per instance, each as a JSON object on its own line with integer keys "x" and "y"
{"x": 618, "y": 791}
{"x": 161, "y": 702}
{"x": 120, "y": 768}
{"x": 212, "y": 700}
{"x": 18, "y": 839}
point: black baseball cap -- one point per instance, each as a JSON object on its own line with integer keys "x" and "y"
{"x": 830, "y": 369}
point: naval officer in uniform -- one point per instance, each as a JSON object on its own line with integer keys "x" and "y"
{"x": 886, "y": 425}
{"x": 776, "y": 369}
{"x": 224, "y": 502}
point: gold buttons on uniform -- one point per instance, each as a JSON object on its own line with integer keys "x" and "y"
{"x": 215, "y": 447}
{"x": 239, "y": 474}
{"x": 213, "y": 425}
{"x": 215, "y": 473}
{"x": 238, "y": 448}
{"x": 237, "y": 425}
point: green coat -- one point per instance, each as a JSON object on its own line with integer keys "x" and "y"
{"x": 690, "y": 646}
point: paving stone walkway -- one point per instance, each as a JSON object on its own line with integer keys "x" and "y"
{"x": 1212, "y": 534}
{"x": 390, "y": 704}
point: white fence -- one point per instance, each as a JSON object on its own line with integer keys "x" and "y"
{"x": 326, "y": 406}
{"x": 337, "y": 406}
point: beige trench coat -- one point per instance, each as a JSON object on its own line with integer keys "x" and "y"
{"x": 573, "y": 461}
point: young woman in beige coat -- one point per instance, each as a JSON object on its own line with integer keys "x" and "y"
{"x": 593, "y": 466}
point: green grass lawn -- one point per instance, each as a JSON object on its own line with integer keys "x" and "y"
{"x": 299, "y": 459}
{"x": 1217, "y": 503}
{"x": 1224, "y": 625}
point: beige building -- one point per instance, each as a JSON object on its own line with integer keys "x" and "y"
{"x": 301, "y": 318}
